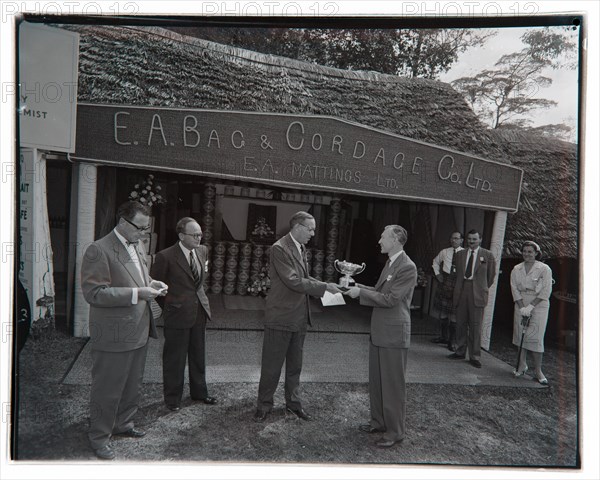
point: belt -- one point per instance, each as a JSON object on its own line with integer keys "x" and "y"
{"x": 468, "y": 279}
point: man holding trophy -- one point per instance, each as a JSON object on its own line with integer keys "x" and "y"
{"x": 287, "y": 316}
{"x": 390, "y": 337}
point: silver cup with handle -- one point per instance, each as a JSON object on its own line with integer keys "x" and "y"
{"x": 347, "y": 269}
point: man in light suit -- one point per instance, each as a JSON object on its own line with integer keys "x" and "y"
{"x": 390, "y": 337}
{"x": 185, "y": 312}
{"x": 116, "y": 284}
{"x": 475, "y": 274}
{"x": 287, "y": 316}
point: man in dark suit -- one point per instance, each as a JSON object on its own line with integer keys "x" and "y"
{"x": 116, "y": 284}
{"x": 287, "y": 315}
{"x": 390, "y": 337}
{"x": 475, "y": 274}
{"x": 185, "y": 311}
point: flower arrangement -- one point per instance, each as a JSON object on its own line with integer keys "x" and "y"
{"x": 262, "y": 229}
{"x": 147, "y": 192}
{"x": 261, "y": 283}
{"x": 421, "y": 278}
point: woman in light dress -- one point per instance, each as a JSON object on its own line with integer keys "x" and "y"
{"x": 531, "y": 285}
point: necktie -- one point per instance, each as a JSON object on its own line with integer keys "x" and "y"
{"x": 194, "y": 270}
{"x": 131, "y": 244}
{"x": 383, "y": 275}
{"x": 452, "y": 265}
{"x": 469, "y": 270}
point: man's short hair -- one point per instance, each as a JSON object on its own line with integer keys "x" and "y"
{"x": 299, "y": 217}
{"x": 182, "y": 223}
{"x": 399, "y": 232}
{"x": 459, "y": 234}
{"x": 130, "y": 209}
{"x": 474, "y": 232}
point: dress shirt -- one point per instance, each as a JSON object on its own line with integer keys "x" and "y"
{"x": 444, "y": 258}
{"x": 394, "y": 257}
{"x": 298, "y": 246}
{"x": 136, "y": 261}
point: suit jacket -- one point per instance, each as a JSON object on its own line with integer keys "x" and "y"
{"x": 180, "y": 305}
{"x": 391, "y": 297}
{"x": 108, "y": 277}
{"x": 484, "y": 273}
{"x": 287, "y": 302}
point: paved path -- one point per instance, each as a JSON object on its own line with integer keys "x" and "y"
{"x": 234, "y": 356}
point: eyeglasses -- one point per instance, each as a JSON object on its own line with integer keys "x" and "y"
{"x": 197, "y": 236}
{"x": 139, "y": 229}
{"x": 310, "y": 229}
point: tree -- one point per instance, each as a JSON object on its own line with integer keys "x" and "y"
{"x": 505, "y": 95}
{"x": 424, "y": 53}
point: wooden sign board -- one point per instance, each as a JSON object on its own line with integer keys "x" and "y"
{"x": 305, "y": 151}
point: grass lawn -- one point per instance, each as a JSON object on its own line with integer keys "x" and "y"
{"x": 446, "y": 424}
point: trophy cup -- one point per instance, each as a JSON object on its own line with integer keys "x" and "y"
{"x": 347, "y": 269}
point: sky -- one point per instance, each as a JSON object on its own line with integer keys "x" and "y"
{"x": 564, "y": 88}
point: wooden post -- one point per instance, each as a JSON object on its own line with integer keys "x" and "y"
{"x": 496, "y": 246}
{"x": 86, "y": 223}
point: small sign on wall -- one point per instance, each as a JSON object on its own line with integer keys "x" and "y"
{"x": 48, "y": 72}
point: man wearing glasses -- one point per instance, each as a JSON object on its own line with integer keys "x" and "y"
{"x": 185, "y": 312}
{"x": 116, "y": 284}
{"x": 287, "y": 316}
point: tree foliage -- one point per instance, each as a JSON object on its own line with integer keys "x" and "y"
{"x": 504, "y": 95}
{"x": 424, "y": 53}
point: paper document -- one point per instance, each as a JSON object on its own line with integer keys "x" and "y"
{"x": 330, "y": 299}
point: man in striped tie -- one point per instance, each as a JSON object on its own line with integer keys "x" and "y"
{"x": 116, "y": 284}
{"x": 185, "y": 312}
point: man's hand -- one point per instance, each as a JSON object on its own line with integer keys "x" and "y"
{"x": 160, "y": 286}
{"x": 333, "y": 288}
{"x": 353, "y": 292}
{"x": 148, "y": 293}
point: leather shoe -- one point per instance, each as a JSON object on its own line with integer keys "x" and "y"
{"x": 260, "y": 415}
{"x": 206, "y": 400}
{"x": 132, "y": 433}
{"x": 367, "y": 428}
{"x": 456, "y": 356}
{"x": 475, "y": 363}
{"x": 174, "y": 408}
{"x": 300, "y": 413}
{"x": 387, "y": 443}
{"x": 105, "y": 453}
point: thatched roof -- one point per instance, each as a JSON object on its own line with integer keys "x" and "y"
{"x": 548, "y": 208}
{"x": 158, "y": 67}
